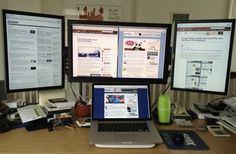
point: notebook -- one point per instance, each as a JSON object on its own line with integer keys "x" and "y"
{"x": 121, "y": 117}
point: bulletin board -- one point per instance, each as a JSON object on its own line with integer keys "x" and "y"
{"x": 100, "y": 12}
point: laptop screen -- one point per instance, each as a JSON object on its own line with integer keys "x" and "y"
{"x": 120, "y": 102}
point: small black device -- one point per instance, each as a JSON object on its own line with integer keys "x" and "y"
{"x": 177, "y": 139}
{"x": 3, "y": 109}
{"x": 3, "y": 94}
{"x": 4, "y": 125}
{"x": 37, "y": 124}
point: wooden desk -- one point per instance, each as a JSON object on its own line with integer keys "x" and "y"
{"x": 217, "y": 145}
{"x": 66, "y": 141}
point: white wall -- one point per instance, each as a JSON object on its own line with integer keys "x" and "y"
{"x": 23, "y": 5}
{"x": 52, "y": 6}
{"x": 3, "y": 4}
{"x": 161, "y": 10}
{"x": 232, "y": 14}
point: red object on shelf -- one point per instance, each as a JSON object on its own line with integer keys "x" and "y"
{"x": 82, "y": 110}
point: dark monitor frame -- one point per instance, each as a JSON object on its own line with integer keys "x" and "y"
{"x": 32, "y": 14}
{"x": 116, "y": 79}
{"x": 229, "y": 56}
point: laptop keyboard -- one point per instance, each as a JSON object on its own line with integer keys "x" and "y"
{"x": 123, "y": 127}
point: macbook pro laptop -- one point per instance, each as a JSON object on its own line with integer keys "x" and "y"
{"x": 121, "y": 117}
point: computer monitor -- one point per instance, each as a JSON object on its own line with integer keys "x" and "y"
{"x": 102, "y": 51}
{"x": 33, "y": 51}
{"x": 202, "y": 55}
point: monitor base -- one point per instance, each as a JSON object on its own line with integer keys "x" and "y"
{"x": 125, "y": 146}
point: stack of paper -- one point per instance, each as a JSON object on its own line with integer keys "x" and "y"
{"x": 30, "y": 113}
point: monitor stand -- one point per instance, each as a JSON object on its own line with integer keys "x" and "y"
{"x": 125, "y": 145}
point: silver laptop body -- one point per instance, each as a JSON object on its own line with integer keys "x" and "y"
{"x": 122, "y": 104}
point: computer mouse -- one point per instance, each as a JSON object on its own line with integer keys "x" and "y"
{"x": 177, "y": 139}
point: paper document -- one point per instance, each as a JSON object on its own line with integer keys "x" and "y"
{"x": 30, "y": 113}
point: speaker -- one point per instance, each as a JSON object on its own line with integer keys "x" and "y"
{"x": 163, "y": 109}
{"x": 3, "y": 94}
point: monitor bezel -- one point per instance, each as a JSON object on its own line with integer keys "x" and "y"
{"x": 229, "y": 56}
{"x": 5, "y": 35}
{"x": 71, "y": 78}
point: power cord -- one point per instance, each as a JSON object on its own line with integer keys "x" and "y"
{"x": 76, "y": 94}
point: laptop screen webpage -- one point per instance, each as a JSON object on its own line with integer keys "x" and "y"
{"x": 121, "y": 102}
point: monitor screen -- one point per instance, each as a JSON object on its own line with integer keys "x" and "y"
{"x": 120, "y": 101}
{"x": 33, "y": 50}
{"x": 118, "y": 51}
{"x": 202, "y": 55}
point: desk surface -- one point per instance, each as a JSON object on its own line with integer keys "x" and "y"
{"x": 63, "y": 140}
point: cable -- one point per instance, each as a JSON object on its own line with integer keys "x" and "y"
{"x": 221, "y": 98}
{"x": 74, "y": 92}
{"x": 163, "y": 92}
{"x": 72, "y": 89}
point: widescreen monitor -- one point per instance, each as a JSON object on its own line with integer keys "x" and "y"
{"x": 202, "y": 55}
{"x": 33, "y": 51}
{"x": 102, "y": 51}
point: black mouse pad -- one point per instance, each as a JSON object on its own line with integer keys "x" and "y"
{"x": 191, "y": 140}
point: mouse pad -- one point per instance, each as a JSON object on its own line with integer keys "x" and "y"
{"x": 191, "y": 141}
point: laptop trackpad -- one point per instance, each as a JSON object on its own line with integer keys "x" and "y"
{"x": 124, "y": 137}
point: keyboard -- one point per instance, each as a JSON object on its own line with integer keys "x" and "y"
{"x": 123, "y": 127}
